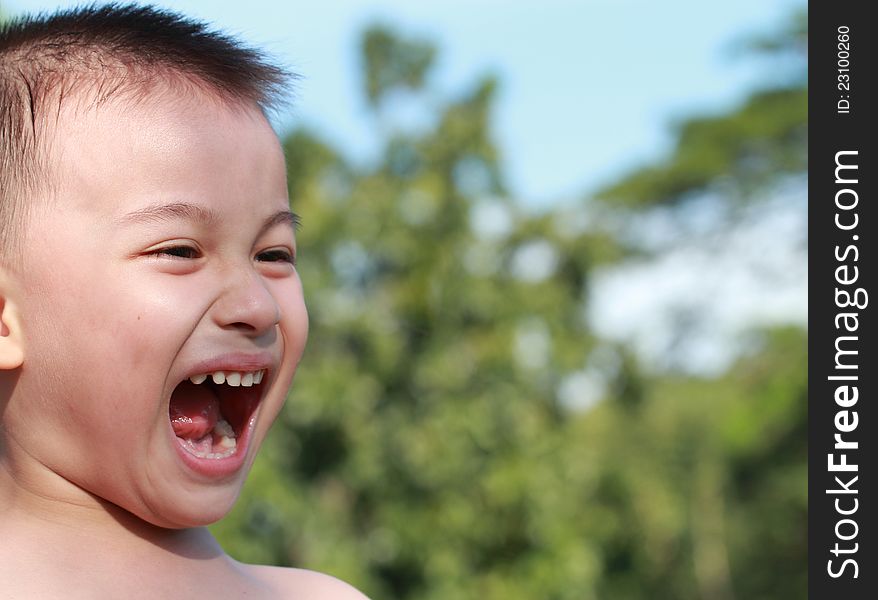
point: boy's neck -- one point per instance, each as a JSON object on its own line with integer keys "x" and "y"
{"x": 62, "y": 548}
{"x": 75, "y": 520}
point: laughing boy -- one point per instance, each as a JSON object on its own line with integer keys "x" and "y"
{"x": 151, "y": 316}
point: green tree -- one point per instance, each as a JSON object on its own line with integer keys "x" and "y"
{"x": 432, "y": 446}
{"x": 712, "y": 473}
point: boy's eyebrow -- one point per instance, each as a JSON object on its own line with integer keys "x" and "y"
{"x": 281, "y": 217}
{"x": 193, "y": 212}
{"x": 169, "y": 212}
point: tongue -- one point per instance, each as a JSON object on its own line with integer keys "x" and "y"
{"x": 194, "y": 410}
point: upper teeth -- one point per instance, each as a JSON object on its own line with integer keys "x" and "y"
{"x": 232, "y": 378}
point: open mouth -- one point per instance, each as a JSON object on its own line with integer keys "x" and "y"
{"x": 211, "y": 412}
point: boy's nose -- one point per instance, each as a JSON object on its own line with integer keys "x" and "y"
{"x": 246, "y": 304}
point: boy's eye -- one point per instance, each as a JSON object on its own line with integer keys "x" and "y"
{"x": 178, "y": 252}
{"x": 277, "y": 255}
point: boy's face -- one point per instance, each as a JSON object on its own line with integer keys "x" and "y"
{"x": 163, "y": 255}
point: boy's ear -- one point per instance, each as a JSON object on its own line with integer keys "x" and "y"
{"x": 11, "y": 349}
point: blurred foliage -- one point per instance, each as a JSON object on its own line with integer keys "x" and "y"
{"x": 742, "y": 151}
{"x": 791, "y": 40}
{"x": 747, "y": 149}
{"x": 432, "y": 447}
{"x": 391, "y": 62}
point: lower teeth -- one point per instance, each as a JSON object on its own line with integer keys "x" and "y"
{"x": 222, "y": 438}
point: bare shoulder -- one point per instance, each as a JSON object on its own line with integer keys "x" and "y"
{"x": 300, "y": 583}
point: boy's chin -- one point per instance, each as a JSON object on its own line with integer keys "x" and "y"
{"x": 181, "y": 518}
{"x": 193, "y": 510}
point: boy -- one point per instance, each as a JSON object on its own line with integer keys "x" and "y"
{"x": 151, "y": 317}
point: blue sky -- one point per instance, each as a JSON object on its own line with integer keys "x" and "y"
{"x": 587, "y": 87}
{"x": 588, "y": 90}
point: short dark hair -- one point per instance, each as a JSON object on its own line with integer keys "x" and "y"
{"x": 107, "y": 50}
